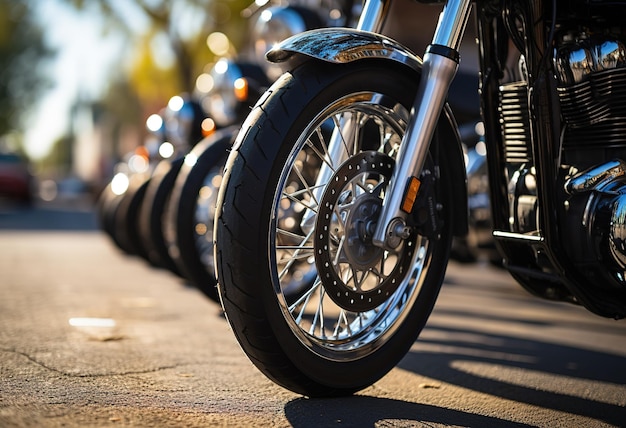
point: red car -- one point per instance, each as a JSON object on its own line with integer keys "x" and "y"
{"x": 15, "y": 178}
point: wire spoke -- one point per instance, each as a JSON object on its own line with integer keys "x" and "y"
{"x": 339, "y": 130}
{"x": 324, "y": 157}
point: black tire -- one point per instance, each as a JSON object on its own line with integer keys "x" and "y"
{"x": 255, "y": 241}
{"x": 152, "y": 214}
{"x": 191, "y": 209}
{"x": 106, "y": 209}
{"x": 126, "y": 229}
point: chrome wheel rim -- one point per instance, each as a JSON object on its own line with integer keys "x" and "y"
{"x": 325, "y": 325}
{"x": 203, "y": 217}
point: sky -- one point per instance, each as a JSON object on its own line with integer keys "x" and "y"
{"x": 85, "y": 57}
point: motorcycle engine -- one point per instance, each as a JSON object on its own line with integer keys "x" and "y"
{"x": 591, "y": 75}
{"x": 590, "y": 70}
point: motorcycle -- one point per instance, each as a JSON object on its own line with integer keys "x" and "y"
{"x": 235, "y": 84}
{"x": 180, "y": 128}
{"x": 119, "y": 202}
{"x": 130, "y": 207}
{"x": 389, "y": 189}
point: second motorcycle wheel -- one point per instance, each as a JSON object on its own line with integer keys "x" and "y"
{"x": 125, "y": 228}
{"x": 366, "y": 306}
{"x": 152, "y": 214}
{"x": 106, "y": 207}
{"x": 191, "y": 208}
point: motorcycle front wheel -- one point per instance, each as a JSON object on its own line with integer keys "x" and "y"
{"x": 313, "y": 303}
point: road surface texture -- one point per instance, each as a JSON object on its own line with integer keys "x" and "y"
{"x": 162, "y": 354}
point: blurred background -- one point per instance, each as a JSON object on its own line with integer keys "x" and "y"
{"x": 91, "y": 90}
{"x": 80, "y": 78}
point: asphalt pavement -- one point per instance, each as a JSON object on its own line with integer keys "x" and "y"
{"x": 92, "y": 337}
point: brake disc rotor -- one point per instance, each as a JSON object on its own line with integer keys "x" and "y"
{"x": 357, "y": 275}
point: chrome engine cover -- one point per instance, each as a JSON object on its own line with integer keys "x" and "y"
{"x": 617, "y": 234}
{"x": 603, "y": 222}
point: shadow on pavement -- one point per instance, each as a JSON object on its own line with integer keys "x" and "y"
{"x": 522, "y": 356}
{"x": 527, "y": 371}
{"x": 361, "y": 411}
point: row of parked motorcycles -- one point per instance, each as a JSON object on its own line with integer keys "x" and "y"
{"x": 159, "y": 205}
{"x": 160, "y": 202}
{"x": 328, "y": 227}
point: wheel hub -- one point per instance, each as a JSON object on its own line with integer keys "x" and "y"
{"x": 361, "y": 221}
{"x": 358, "y": 276}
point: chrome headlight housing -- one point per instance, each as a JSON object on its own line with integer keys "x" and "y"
{"x": 222, "y": 100}
{"x": 273, "y": 25}
{"x": 230, "y": 88}
{"x": 183, "y": 121}
{"x": 276, "y": 24}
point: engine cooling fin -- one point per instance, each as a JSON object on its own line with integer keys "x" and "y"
{"x": 595, "y": 110}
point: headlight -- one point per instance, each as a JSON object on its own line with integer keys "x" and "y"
{"x": 183, "y": 121}
{"x": 221, "y": 101}
{"x": 273, "y": 25}
{"x": 234, "y": 87}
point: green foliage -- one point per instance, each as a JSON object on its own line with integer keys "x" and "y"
{"x": 22, "y": 54}
{"x": 179, "y": 27}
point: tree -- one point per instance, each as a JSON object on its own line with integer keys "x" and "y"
{"x": 181, "y": 27}
{"x": 158, "y": 30}
{"x": 22, "y": 50}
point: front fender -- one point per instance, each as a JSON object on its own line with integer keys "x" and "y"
{"x": 342, "y": 45}
{"x": 450, "y": 144}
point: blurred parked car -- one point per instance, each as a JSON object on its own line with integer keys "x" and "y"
{"x": 15, "y": 178}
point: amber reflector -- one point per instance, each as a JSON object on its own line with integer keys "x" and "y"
{"x": 410, "y": 194}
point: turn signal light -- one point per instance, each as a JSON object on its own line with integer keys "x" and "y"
{"x": 241, "y": 89}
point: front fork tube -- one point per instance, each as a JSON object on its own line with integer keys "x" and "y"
{"x": 437, "y": 74}
{"x": 439, "y": 68}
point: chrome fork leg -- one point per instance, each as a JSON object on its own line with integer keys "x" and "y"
{"x": 439, "y": 68}
{"x": 373, "y": 15}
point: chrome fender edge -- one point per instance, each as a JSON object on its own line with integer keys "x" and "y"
{"x": 342, "y": 45}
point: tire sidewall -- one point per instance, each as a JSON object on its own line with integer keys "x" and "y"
{"x": 211, "y": 154}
